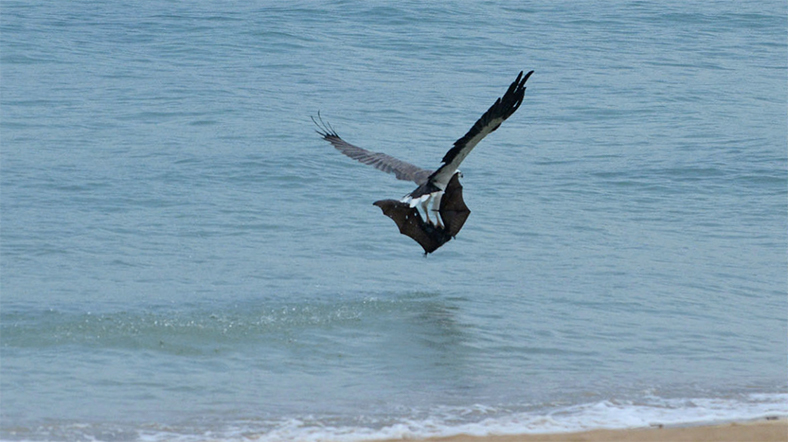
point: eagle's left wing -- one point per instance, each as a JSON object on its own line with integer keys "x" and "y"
{"x": 381, "y": 161}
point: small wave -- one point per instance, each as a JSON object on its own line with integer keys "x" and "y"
{"x": 184, "y": 329}
{"x": 475, "y": 420}
{"x": 608, "y": 414}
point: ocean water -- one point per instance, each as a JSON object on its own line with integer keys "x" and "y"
{"x": 183, "y": 258}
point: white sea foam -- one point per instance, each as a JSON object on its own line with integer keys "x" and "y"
{"x": 607, "y": 414}
{"x": 478, "y": 420}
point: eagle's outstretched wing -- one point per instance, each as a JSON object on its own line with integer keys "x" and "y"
{"x": 502, "y": 109}
{"x": 381, "y": 161}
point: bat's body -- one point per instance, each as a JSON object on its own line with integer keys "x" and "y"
{"x": 452, "y": 211}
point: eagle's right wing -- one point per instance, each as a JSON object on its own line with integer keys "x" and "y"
{"x": 502, "y": 109}
{"x": 381, "y": 161}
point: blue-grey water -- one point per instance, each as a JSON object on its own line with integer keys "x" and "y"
{"x": 183, "y": 258}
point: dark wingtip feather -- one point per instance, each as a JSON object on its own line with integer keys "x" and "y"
{"x": 323, "y": 128}
{"x": 503, "y": 107}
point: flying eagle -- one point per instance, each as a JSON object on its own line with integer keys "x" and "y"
{"x": 440, "y": 190}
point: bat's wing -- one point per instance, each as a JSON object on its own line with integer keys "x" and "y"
{"x": 453, "y": 212}
{"x": 411, "y": 224}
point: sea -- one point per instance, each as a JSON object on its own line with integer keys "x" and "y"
{"x": 183, "y": 258}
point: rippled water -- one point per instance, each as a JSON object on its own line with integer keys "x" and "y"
{"x": 184, "y": 258}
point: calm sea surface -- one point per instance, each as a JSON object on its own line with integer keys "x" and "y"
{"x": 183, "y": 258}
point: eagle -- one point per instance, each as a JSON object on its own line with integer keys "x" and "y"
{"x": 438, "y": 191}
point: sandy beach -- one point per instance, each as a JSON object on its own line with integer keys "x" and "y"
{"x": 755, "y": 431}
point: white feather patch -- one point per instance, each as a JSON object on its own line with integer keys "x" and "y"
{"x": 413, "y": 202}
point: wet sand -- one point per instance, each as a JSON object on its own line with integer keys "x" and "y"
{"x": 774, "y": 430}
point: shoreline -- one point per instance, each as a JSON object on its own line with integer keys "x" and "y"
{"x": 769, "y": 429}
